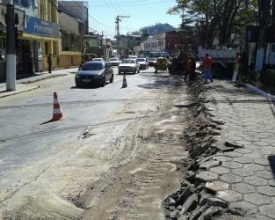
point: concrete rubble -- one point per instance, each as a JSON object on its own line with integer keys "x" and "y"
{"x": 231, "y": 164}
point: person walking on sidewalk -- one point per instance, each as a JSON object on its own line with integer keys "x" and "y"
{"x": 236, "y": 67}
{"x": 50, "y": 63}
{"x": 207, "y": 66}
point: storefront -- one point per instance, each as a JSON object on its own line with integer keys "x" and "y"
{"x": 36, "y": 39}
{"x": 39, "y": 39}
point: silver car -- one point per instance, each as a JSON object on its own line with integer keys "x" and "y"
{"x": 143, "y": 63}
{"x": 114, "y": 61}
{"x": 128, "y": 66}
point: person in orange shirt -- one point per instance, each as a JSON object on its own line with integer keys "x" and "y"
{"x": 207, "y": 65}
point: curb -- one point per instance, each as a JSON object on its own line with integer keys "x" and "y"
{"x": 42, "y": 78}
{"x": 259, "y": 91}
{"x": 18, "y": 92}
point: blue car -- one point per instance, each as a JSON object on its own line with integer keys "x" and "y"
{"x": 94, "y": 73}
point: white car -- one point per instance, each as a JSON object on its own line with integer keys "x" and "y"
{"x": 114, "y": 61}
{"x": 98, "y": 59}
{"x": 133, "y": 56}
{"x": 143, "y": 63}
{"x": 128, "y": 66}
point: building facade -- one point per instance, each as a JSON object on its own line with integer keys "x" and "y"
{"x": 72, "y": 33}
{"x": 174, "y": 41}
{"x": 155, "y": 44}
{"x": 127, "y": 44}
{"x": 37, "y": 33}
{"x": 42, "y": 30}
{"x": 78, "y": 10}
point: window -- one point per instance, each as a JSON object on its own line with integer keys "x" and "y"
{"x": 47, "y": 48}
{"x": 92, "y": 66}
{"x": 26, "y": 3}
{"x": 17, "y": 2}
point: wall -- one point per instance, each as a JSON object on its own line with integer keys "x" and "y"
{"x": 64, "y": 60}
{"x": 69, "y": 23}
{"x": 77, "y": 10}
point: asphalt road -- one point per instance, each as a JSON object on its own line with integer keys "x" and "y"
{"x": 49, "y": 166}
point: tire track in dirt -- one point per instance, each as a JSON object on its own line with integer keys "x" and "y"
{"x": 136, "y": 187}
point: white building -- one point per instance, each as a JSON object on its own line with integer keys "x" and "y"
{"x": 155, "y": 43}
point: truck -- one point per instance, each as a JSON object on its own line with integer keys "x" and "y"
{"x": 253, "y": 56}
{"x": 222, "y": 59}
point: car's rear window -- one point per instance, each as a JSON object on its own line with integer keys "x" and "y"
{"x": 128, "y": 61}
{"x": 140, "y": 59}
{"x": 92, "y": 66}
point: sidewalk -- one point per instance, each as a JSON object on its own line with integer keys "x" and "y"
{"x": 247, "y": 174}
{"x": 231, "y": 165}
{"x": 242, "y": 173}
{"x": 26, "y": 84}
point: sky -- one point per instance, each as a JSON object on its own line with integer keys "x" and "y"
{"x": 142, "y": 13}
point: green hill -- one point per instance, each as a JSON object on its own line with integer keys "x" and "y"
{"x": 155, "y": 29}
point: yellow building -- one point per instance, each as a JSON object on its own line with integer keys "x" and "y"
{"x": 38, "y": 35}
{"x": 47, "y": 32}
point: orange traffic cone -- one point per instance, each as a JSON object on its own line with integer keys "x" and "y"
{"x": 57, "y": 114}
{"x": 124, "y": 82}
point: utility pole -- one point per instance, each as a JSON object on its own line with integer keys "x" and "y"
{"x": 118, "y": 35}
{"x": 102, "y": 48}
{"x": 10, "y": 49}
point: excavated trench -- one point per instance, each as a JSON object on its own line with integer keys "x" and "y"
{"x": 195, "y": 199}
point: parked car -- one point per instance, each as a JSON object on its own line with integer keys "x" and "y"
{"x": 143, "y": 63}
{"x": 128, "y": 66}
{"x": 133, "y": 56}
{"x": 114, "y": 61}
{"x": 152, "y": 61}
{"x": 98, "y": 59}
{"x": 94, "y": 73}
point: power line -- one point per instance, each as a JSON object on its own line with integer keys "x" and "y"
{"x": 122, "y": 10}
{"x": 108, "y": 27}
{"x": 138, "y": 3}
{"x": 112, "y": 7}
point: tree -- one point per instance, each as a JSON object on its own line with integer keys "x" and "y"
{"x": 144, "y": 34}
{"x": 217, "y": 17}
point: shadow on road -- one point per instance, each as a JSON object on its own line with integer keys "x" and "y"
{"x": 161, "y": 81}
